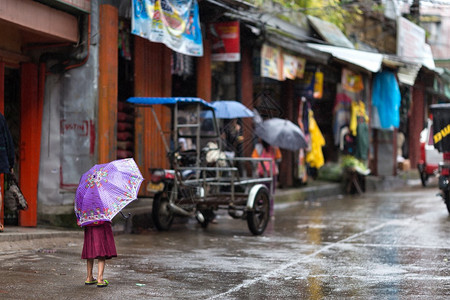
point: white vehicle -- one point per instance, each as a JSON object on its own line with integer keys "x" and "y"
{"x": 430, "y": 157}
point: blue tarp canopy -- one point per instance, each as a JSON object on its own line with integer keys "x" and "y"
{"x": 167, "y": 100}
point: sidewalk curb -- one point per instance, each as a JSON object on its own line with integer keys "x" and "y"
{"x": 15, "y": 237}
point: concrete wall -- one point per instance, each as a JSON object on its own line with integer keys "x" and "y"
{"x": 70, "y": 103}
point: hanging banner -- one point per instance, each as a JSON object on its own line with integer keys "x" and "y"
{"x": 293, "y": 66}
{"x": 280, "y": 66}
{"x": 271, "y": 63}
{"x": 225, "y": 38}
{"x": 351, "y": 81}
{"x": 301, "y": 67}
{"x": 175, "y": 23}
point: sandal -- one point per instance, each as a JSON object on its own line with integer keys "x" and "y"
{"x": 94, "y": 281}
{"x": 104, "y": 284}
{"x": 1, "y": 227}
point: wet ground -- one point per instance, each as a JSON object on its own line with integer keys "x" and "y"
{"x": 392, "y": 245}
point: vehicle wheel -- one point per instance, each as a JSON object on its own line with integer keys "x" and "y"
{"x": 161, "y": 213}
{"x": 258, "y": 217}
{"x": 447, "y": 200}
{"x": 207, "y": 216}
{"x": 424, "y": 178}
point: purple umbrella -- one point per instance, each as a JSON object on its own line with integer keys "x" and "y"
{"x": 106, "y": 189}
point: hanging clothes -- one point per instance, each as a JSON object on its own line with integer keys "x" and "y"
{"x": 358, "y": 110}
{"x": 359, "y": 129}
{"x": 315, "y": 157}
{"x": 386, "y": 100}
{"x": 362, "y": 141}
{"x": 341, "y": 111}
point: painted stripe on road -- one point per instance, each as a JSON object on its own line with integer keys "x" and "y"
{"x": 280, "y": 269}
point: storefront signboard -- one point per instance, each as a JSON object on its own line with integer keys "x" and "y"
{"x": 410, "y": 40}
{"x": 225, "y": 41}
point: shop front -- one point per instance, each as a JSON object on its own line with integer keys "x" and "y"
{"x": 29, "y": 29}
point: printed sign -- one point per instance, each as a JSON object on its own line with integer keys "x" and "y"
{"x": 293, "y": 66}
{"x": 225, "y": 41}
{"x": 280, "y": 66}
{"x": 173, "y": 23}
{"x": 351, "y": 81}
{"x": 271, "y": 63}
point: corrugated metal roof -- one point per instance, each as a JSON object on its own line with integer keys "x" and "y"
{"x": 368, "y": 60}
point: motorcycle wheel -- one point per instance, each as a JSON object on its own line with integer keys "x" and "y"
{"x": 424, "y": 178}
{"x": 161, "y": 213}
{"x": 447, "y": 200}
{"x": 258, "y": 217}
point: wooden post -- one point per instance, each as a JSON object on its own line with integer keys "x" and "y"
{"x": 108, "y": 84}
{"x": 152, "y": 79}
{"x": 286, "y": 177}
{"x": 416, "y": 121}
{"x": 30, "y": 138}
{"x": 247, "y": 97}
{"x": 204, "y": 73}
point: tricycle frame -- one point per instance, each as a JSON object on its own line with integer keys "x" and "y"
{"x": 200, "y": 188}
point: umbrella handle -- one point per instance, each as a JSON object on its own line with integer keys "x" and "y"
{"x": 125, "y": 217}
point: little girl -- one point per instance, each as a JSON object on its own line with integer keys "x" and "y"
{"x": 98, "y": 244}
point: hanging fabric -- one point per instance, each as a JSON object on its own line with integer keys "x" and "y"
{"x": 341, "y": 112}
{"x": 362, "y": 141}
{"x": 315, "y": 157}
{"x": 358, "y": 110}
{"x": 386, "y": 100}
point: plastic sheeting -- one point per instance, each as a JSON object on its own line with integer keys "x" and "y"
{"x": 386, "y": 101}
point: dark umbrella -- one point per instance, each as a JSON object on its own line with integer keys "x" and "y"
{"x": 281, "y": 133}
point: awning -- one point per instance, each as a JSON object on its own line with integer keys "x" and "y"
{"x": 312, "y": 55}
{"x": 406, "y": 71}
{"x": 367, "y": 60}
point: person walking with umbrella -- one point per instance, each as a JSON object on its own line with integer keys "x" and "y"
{"x": 265, "y": 150}
{"x": 103, "y": 192}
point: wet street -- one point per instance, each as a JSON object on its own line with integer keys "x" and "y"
{"x": 392, "y": 245}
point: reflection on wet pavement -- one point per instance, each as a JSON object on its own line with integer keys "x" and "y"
{"x": 374, "y": 246}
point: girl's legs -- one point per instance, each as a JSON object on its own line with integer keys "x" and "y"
{"x": 90, "y": 266}
{"x": 101, "y": 268}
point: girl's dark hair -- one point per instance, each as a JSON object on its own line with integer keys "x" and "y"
{"x": 265, "y": 144}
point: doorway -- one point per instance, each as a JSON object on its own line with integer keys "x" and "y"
{"x": 12, "y": 116}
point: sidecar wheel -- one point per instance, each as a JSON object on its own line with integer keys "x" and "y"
{"x": 161, "y": 213}
{"x": 258, "y": 216}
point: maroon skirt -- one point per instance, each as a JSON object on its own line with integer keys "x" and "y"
{"x": 98, "y": 242}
